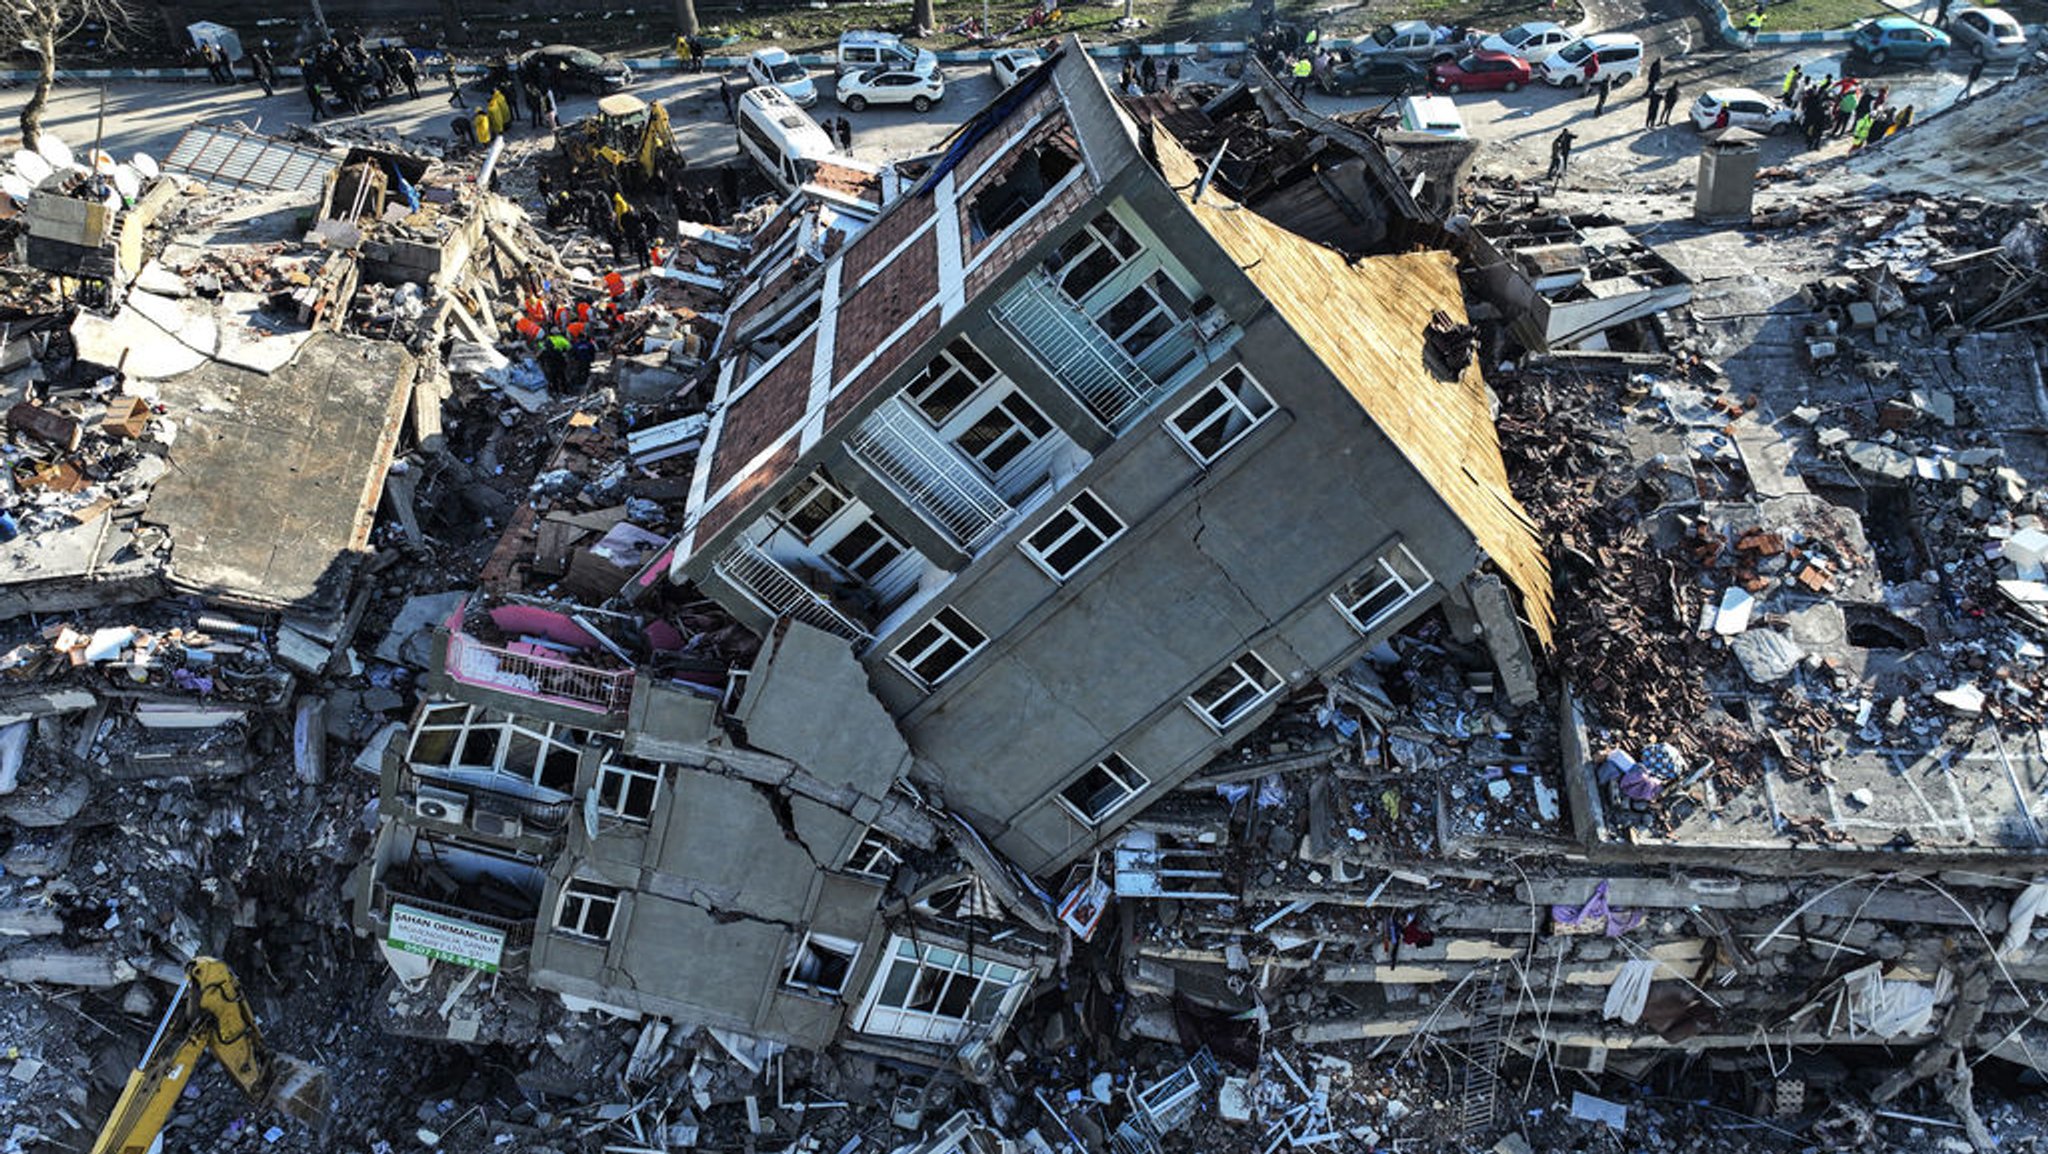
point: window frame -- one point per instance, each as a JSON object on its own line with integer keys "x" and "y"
{"x": 1233, "y": 401}
{"x": 507, "y": 733}
{"x": 948, "y": 631}
{"x": 807, "y": 492}
{"x": 1129, "y": 778}
{"x": 870, "y": 853}
{"x": 1041, "y": 554}
{"x": 934, "y": 379}
{"x": 585, "y": 893}
{"x": 1096, "y": 241}
{"x": 827, "y": 943}
{"x": 927, "y": 961}
{"x": 617, "y": 765}
{"x": 1347, "y": 602}
{"x": 1246, "y": 679}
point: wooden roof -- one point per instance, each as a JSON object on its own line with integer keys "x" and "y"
{"x": 1365, "y": 319}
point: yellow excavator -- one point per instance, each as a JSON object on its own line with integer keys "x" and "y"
{"x": 627, "y": 133}
{"x": 208, "y": 1016}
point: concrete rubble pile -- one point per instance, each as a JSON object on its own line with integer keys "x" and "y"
{"x": 353, "y": 634}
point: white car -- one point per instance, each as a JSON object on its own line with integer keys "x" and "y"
{"x": 891, "y": 86}
{"x": 1013, "y": 64}
{"x": 1532, "y": 41}
{"x": 774, "y": 68}
{"x": 1746, "y": 108}
{"x": 1987, "y": 33}
{"x": 1614, "y": 56}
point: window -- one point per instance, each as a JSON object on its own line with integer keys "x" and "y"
{"x": 1080, "y": 530}
{"x": 932, "y": 993}
{"x": 957, "y": 373}
{"x": 1002, "y": 198}
{"x": 822, "y": 965}
{"x": 1106, "y": 786}
{"x": 627, "y": 787}
{"x": 877, "y": 856}
{"x": 866, "y": 550}
{"x": 939, "y": 646}
{"x": 1146, "y": 314}
{"x": 1220, "y": 416}
{"x": 1235, "y": 691}
{"x": 588, "y": 909}
{"x": 468, "y": 741}
{"x": 1090, "y": 256}
{"x": 808, "y": 506}
{"x": 1009, "y": 427}
{"x": 1373, "y": 596}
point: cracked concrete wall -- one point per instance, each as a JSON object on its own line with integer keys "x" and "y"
{"x": 1241, "y": 555}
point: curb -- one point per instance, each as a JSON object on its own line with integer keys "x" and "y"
{"x": 1718, "y": 10}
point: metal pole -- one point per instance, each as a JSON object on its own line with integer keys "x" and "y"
{"x": 320, "y": 20}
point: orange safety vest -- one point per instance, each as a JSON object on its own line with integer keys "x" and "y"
{"x": 582, "y": 310}
{"x": 576, "y": 330}
{"x": 615, "y": 285}
{"x": 527, "y": 328}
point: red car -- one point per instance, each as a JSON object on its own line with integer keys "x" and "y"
{"x": 1482, "y": 71}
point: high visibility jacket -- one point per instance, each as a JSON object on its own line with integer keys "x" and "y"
{"x": 1302, "y": 68}
{"x": 481, "y": 124}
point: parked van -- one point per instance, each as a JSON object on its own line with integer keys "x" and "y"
{"x": 1432, "y": 116}
{"x": 782, "y": 138}
{"x": 1613, "y": 56}
{"x": 860, "y": 51}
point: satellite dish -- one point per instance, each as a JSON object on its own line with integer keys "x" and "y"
{"x": 103, "y": 162}
{"x": 112, "y": 198}
{"x": 146, "y": 165}
{"x": 13, "y": 185}
{"x": 126, "y": 180}
{"x": 57, "y": 152}
{"x": 32, "y": 167}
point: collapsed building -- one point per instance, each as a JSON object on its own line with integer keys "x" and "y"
{"x": 1136, "y": 629}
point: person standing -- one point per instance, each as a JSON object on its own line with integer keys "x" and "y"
{"x": 1654, "y": 76}
{"x": 1670, "y": 103}
{"x": 1788, "y": 92}
{"x": 683, "y": 53}
{"x": 1600, "y": 91}
{"x": 1302, "y": 69}
{"x": 1560, "y": 155}
{"x": 846, "y": 136}
{"x": 454, "y": 82}
{"x": 409, "y": 73}
{"x": 1941, "y": 14}
{"x": 1650, "y": 117}
{"x": 1753, "y": 26}
{"x": 1976, "y": 73}
{"x": 1172, "y": 72}
{"x": 309, "y": 76}
{"x": 725, "y": 94}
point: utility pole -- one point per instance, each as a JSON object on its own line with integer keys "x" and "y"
{"x": 320, "y": 20}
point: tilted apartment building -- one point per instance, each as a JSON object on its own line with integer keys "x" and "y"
{"x": 1040, "y": 490}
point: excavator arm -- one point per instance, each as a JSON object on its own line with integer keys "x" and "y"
{"x": 207, "y": 1015}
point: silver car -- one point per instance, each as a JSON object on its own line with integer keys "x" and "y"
{"x": 1987, "y": 33}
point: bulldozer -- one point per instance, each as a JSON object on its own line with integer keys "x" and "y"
{"x": 208, "y": 1016}
{"x": 627, "y": 136}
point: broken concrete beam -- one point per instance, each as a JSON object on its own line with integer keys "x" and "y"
{"x": 53, "y": 805}
{"x": 39, "y": 422}
{"x": 309, "y": 739}
{"x": 30, "y": 921}
{"x": 50, "y": 963}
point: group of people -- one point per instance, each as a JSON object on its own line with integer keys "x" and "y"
{"x": 1828, "y": 108}
{"x": 220, "y": 67}
{"x": 1147, "y": 76}
{"x": 356, "y": 73}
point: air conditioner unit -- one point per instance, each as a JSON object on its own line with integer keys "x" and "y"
{"x": 977, "y": 1060}
{"x": 492, "y": 824}
{"x": 440, "y": 805}
{"x": 1210, "y": 323}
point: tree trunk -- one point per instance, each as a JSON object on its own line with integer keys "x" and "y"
{"x": 922, "y": 19}
{"x": 46, "y": 78}
{"x": 686, "y": 16}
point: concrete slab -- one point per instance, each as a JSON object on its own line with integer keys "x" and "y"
{"x": 275, "y": 478}
{"x": 809, "y": 701}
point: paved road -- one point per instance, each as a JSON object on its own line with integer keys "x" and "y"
{"x": 1614, "y": 150}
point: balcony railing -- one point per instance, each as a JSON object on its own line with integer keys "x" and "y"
{"x": 1080, "y": 355}
{"x": 901, "y": 448}
{"x": 780, "y": 593}
{"x": 518, "y": 934}
{"x": 538, "y": 674}
{"x": 549, "y": 817}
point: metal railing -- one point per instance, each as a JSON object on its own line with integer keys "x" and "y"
{"x": 518, "y": 934}
{"x": 540, "y": 676}
{"x": 544, "y": 816}
{"x": 1079, "y": 354}
{"x": 899, "y": 447}
{"x": 780, "y": 593}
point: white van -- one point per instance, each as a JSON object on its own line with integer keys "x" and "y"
{"x": 782, "y": 138}
{"x": 1432, "y": 116}
{"x": 860, "y": 51}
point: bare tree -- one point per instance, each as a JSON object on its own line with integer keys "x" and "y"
{"x": 923, "y": 19}
{"x": 42, "y": 26}
{"x": 686, "y": 16}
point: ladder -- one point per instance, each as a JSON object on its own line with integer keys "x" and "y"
{"x": 1483, "y": 1048}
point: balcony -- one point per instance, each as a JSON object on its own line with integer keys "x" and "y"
{"x": 532, "y": 670}
{"x": 487, "y": 811}
{"x": 930, "y": 474}
{"x": 780, "y": 593}
{"x": 1112, "y": 384}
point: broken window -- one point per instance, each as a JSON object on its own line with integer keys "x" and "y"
{"x": 808, "y": 506}
{"x": 932, "y": 993}
{"x": 1392, "y": 581}
{"x": 1072, "y": 535}
{"x": 877, "y": 855}
{"x": 822, "y": 966}
{"x": 957, "y": 373}
{"x": 1235, "y": 691}
{"x": 588, "y": 909}
{"x": 939, "y": 646}
{"x": 1220, "y": 416}
{"x": 1092, "y": 256}
{"x": 766, "y": 345}
{"x": 627, "y": 787}
{"x": 1106, "y": 786}
{"x": 468, "y": 740}
{"x": 1006, "y": 195}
